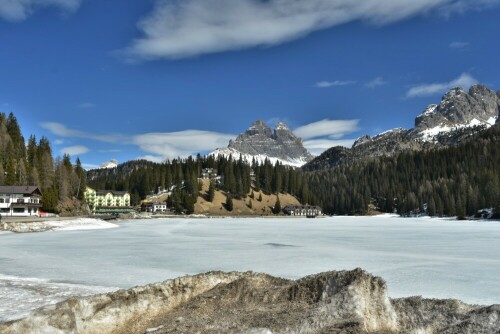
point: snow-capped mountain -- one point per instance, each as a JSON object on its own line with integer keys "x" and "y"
{"x": 459, "y": 115}
{"x": 109, "y": 164}
{"x": 260, "y": 142}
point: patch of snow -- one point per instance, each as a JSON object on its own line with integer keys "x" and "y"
{"x": 431, "y": 108}
{"x": 109, "y": 164}
{"x": 281, "y": 126}
{"x": 388, "y": 131}
{"x": 429, "y": 135}
{"x": 20, "y": 295}
{"x": 80, "y": 224}
{"x": 492, "y": 120}
{"x": 259, "y": 158}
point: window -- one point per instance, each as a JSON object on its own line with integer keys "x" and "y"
{"x": 4, "y": 210}
{"x": 18, "y": 210}
{"x": 2, "y": 200}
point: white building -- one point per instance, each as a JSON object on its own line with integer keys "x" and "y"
{"x": 20, "y": 201}
{"x": 154, "y": 206}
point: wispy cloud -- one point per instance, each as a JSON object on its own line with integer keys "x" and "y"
{"x": 61, "y": 130}
{"x": 377, "y": 82}
{"x": 465, "y": 80}
{"x": 75, "y": 150}
{"x": 179, "y": 29}
{"x": 86, "y": 105}
{"x": 333, "y": 129}
{"x": 327, "y": 84}
{"x": 181, "y": 143}
{"x": 111, "y": 150}
{"x": 459, "y": 45}
{"x": 19, "y": 10}
{"x": 318, "y": 146}
{"x": 89, "y": 166}
{"x": 159, "y": 145}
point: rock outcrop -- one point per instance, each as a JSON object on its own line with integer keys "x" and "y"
{"x": 332, "y": 302}
{"x": 260, "y": 142}
{"x": 458, "y": 116}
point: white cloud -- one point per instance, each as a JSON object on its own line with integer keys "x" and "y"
{"x": 182, "y": 143}
{"x": 58, "y": 142}
{"x": 86, "y": 105}
{"x": 89, "y": 166}
{"x": 465, "y": 80}
{"x": 377, "y": 82}
{"x": 18, "y": 10}
{"x": 75, "y": 150}
{"x": 318, "y": 146}
{"x": 179, "y": 29}
{"x": 333, "y": 129}
{"x": 62, "y": 131}
{"x": 161, "y": 145}
{"x": 327, "y": 84}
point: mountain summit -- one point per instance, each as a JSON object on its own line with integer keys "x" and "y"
{"x": 459, "y": 115}
{"x": 259, "y": 142}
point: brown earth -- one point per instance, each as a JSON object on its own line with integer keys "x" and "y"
{"x": 342, "y": 302}
{"x": 240, "y": 207}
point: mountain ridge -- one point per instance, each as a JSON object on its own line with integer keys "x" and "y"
{"x": 260, "y": 142}
{"x": 459, "y": 115}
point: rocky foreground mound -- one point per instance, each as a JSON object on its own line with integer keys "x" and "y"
{"x": 217, "y": 302}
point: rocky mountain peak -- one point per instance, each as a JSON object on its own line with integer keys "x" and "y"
{"x": 260, "y": 141}
{"x": 458, "y": 116}
{"x": 459, "y": 108}
{"x": 259, "y": 128}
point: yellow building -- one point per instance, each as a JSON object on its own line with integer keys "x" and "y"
{"x": 107, "y": 201}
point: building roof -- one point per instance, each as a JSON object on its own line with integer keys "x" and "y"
{"x": 114, "y": 192}
{"x": 25, "y": 190}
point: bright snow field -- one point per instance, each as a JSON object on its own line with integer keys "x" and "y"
{"x": 416, "y": 256}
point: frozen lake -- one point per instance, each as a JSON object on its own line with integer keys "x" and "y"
{"x": 421, "y": 256}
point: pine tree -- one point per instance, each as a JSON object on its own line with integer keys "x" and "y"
{"x": 277, "y": 205}
{"x": 229, "y": 202}
{"x": 211, "y": 191}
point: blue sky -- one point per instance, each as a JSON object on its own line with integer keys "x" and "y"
{"x": 104, "y": 79}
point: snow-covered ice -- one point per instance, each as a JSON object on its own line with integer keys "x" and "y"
{"x": 440, "y": 258}
{"x": 80, "y": 224}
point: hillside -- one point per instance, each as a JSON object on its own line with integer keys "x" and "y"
{"x": 240, "y": 207}
{"x": 455, "y": 119}
{"x": 452, "y": 181}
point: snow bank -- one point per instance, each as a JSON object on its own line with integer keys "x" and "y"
{"x": 70, "y": 224}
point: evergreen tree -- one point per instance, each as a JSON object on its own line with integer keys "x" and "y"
{"x": 277, "y": 205}
{"x": 229, "y": 202}
{"x": 211, "y": 191}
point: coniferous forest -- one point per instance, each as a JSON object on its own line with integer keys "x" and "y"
{"x": 180, "y": 176}
{"x": 456, "y": 181}
{"x": 61, "y": 182}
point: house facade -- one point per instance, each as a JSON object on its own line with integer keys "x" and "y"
{"x": 208, "y": 173}
{"x": 20, "y": 201}
{"x": 107, "y": 201}
{"x": 154, "y": 207}
{"x": 302, "y": 210}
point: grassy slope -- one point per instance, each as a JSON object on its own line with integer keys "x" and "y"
{"x": 240, "y": 207}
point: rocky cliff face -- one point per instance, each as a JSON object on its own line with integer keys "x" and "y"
{"x": 333, "y": 302}
{"x": 459, "y": 115}
{"x": 260, "y": 142}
